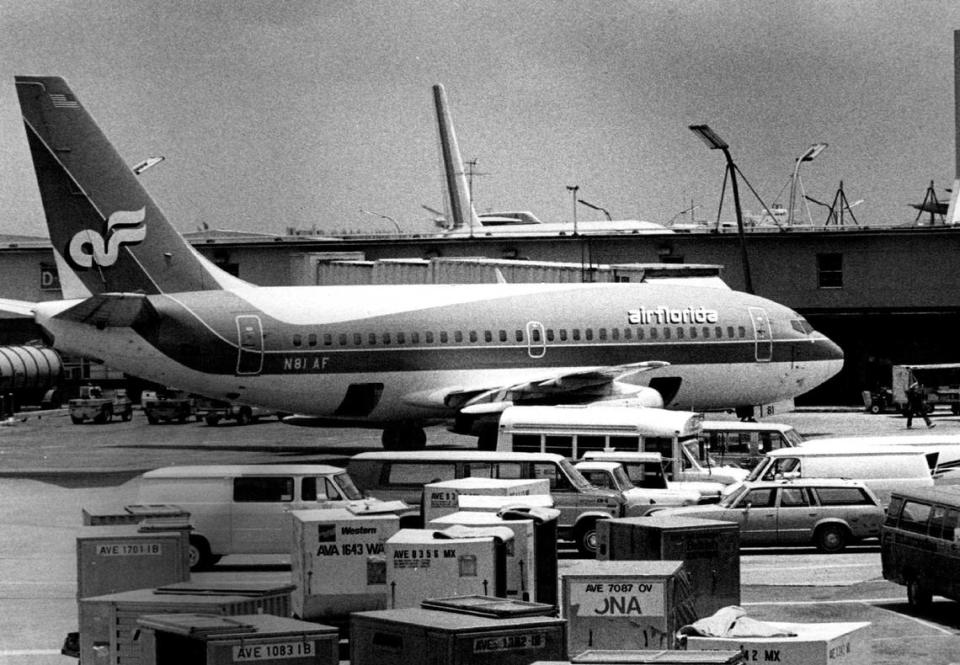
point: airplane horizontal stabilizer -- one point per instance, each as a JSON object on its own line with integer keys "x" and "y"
{"x": 114, "y": 310}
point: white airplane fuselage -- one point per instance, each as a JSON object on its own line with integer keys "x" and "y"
{"x": 397, "y": 350}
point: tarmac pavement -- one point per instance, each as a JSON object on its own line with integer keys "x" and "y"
{"x": 50, "y": 469}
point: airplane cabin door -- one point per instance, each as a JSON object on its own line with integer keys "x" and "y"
{"x": 536, "y": 340}
{"x": 250, "y": 345}
{"x": 762, "y": 335}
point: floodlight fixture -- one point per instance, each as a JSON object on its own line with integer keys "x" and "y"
{"x": 710, "y": 137}
{"x": 812, "y": 152}
{"x": 149, "y": 162}
{"x": 596, "y": 207}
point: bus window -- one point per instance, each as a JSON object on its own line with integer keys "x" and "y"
{"x": 526, "y": 443}
{"x": 629, "y": 443}
{"x": 561, "y": 445}
{"x": 587, "y": 442}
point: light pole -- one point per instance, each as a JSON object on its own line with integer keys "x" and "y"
{"x": 714, "y": 142}
{"x": 387, "y": 217}
{"x": 574, "y": 189}
{"x": 807, "y": 156}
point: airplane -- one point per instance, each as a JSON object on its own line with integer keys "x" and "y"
{"x": 140, "y": 298}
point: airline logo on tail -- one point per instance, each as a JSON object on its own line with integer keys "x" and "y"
{"x": 124, "y": 227}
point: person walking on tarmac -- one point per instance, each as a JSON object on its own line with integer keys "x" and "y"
{"x": 916, "y": 405}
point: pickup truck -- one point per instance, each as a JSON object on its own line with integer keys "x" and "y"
{"x": 100, "y": 406}
{"x": 212, "y": 411}
{"x": 166, "y": 406}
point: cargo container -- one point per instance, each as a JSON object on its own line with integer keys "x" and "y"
{"x": 625, "y": 604}
{"x": 337, "y": 561}
{"x": 417, "y": 636}
{"x": 812, "y": 644}
{"x": 428, "y": 563}
{"x": 108, "y": 623}
{"x": 441, "y": 498}
{"x": 521, "y": 558}
{"x": 660, "y": 657}
{"x": 203, "y": 639}
{"x": 709, "y": 548}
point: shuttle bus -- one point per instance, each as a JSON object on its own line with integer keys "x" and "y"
{"x": 575, "y": 431}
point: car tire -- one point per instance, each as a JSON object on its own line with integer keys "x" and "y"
{"x": 876, "y": 408}
{"x": 199, "y": 554}
{"x": 212, "y": 421}
{"x": 831, "y": 538}
{"x": 918, "y": 596}
{"x": 587, "y": 539}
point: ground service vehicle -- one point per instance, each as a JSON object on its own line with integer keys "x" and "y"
{"x": 652, "y": 471}
{"x": 100, "y": 406}
{"x": 882, "y": 468}
{"x": 241, "y": 508}
{"x": 941, "y": 385}
{"x": 166, "y": 406}
{"x": 402, "y": 475}
{"x": 613, "y": 476}
{"x": 745, "y": 443}
{"x": 920, "y": 543}
{"x": 574, "y": 431}
{"x": 212, "y": 411}
{"x": 825, "y": 512}
{"x": 945, "y": 446}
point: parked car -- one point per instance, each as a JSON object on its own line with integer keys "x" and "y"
{"x": 828, "y": 513}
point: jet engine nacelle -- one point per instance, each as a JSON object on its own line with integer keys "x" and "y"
{"x": 641, "y": 396}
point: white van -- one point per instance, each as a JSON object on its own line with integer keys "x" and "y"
{"x": 241, "y": 508}
{"x": 744, "y": 443}
{"x": 574, "y": 431}
{"x": 883, "y": 469}
{"x": 946, "y": 446}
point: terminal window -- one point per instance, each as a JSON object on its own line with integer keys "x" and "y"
{"x": 830, "y": 271}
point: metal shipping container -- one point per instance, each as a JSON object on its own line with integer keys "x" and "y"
{"x": 134, "y": 514}
{"x": 416, "y": 636}
{"x": 337, "y": 561}
{"x": 670, "y": 657}
{"x": 624, "y": 604}
{"x": 120, "y": 558}
{"x": 709, "y": 548}
{"x": 442, "y": 497}
{"x": 108, "y": 623}
{"x": 428, "y": 563}
{"x": 204, "y": 639}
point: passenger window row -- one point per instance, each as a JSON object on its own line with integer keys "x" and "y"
{"x": 923, "y": 518}
{"x": 536, "y": 335}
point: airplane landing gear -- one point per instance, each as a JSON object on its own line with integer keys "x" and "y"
{"x": 403, "y": 437}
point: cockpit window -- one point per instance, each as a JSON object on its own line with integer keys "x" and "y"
{"x": 801, "y": 326}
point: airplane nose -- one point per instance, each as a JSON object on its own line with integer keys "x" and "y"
{"x": 832, "y": 349}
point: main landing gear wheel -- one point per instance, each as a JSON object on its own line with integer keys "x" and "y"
{"x": 403, "y": 437}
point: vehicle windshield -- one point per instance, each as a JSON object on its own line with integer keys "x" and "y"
{"x": 734, "y": 496}
{"x": 793, "y": 438}
{"x": 623, "y": 480}
{"x": 698, "y": 450}
{"x": 347, "y": 487}
{"x": 576, "y": 478}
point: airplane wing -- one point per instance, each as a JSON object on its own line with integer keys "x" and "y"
{"x": 16, "y": 308}
{"x": 493, "y": 399}
{"x": 115, "y": 310}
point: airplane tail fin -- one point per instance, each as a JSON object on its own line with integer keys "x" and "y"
{"x": 107, "y": 233}
{"x": 456, "y": 195}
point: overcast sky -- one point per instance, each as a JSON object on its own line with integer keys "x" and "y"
{"x": 299, "y": 113}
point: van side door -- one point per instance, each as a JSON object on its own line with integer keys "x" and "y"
{"x": 260, "y": 522}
